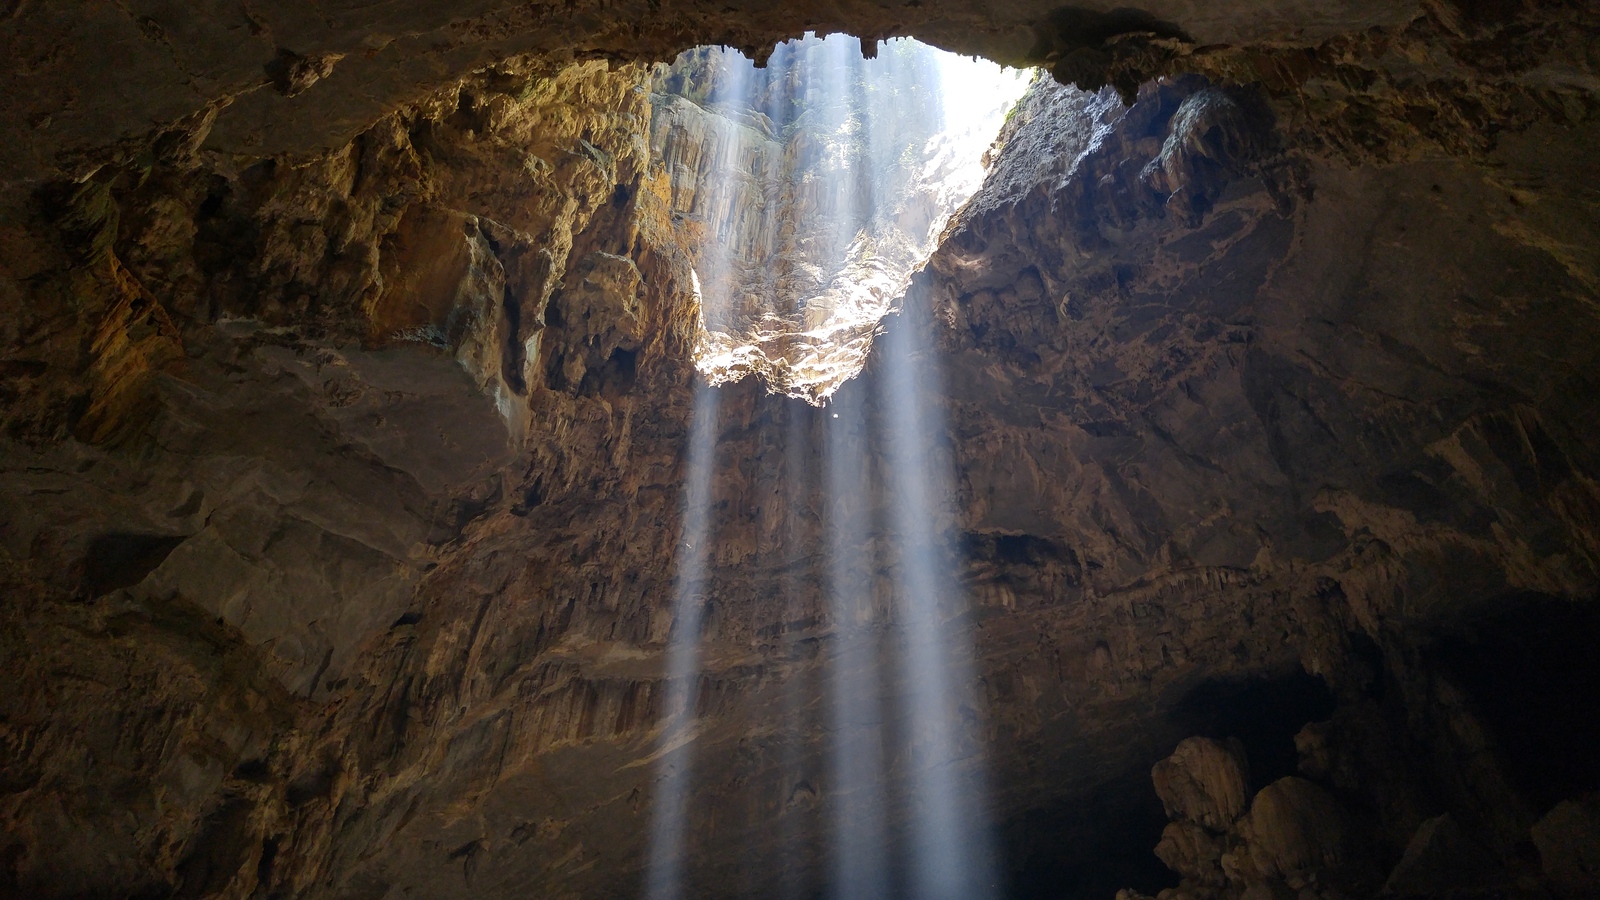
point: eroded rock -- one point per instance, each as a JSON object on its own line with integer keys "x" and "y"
{"x": 1297, "y": 830}
{"x": 1439, "y": 859}
{"x": 1193, "y": 852}
{"x": 1205, "y": 782}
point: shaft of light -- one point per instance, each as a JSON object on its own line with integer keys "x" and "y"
{"x": 891, "y": 147}
{"x": 952, "y": 858}
{"x": 855, "y": 756}
{"x": 797, "y": 487}
{"x": 952, "y": 853}
{"x": 670, "y": 822}
{"x": 669, "y": 825}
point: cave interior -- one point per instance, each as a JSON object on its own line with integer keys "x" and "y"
{"x": 673, "y": 450}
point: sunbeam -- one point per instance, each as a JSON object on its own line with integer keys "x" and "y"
{"x": 951, "y": 853}
{"x": 816, "y": 187}
{"x": 664, "y": 879}
{"x": 798, "y": 486}
{"x": 856, "y": 756}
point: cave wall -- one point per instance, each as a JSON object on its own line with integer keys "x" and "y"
{"x": 342, "y": 469}
{"x": 1240, "y": 367}
{"x": 261, "y": 466}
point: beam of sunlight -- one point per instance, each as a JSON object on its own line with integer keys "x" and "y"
{"x": 670, "y": 820}
{"x": 951, "y": 854}
{"x": 856, "y": 754}
{"x": 793, "y": 885}
{"x": 674, "y": 764}
{"x": 809, "y": 193}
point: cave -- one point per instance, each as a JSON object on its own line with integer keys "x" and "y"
{"x": 937, "y": 450}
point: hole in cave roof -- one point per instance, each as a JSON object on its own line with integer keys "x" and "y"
{"x": 811, "y": 190}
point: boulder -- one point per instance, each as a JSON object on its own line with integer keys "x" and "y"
{"x": 1295, "y": 830}
{"x": 1204, "y": 782}
{"x": 1440, "y": 858}
{"x": 1568, "y": 838}
{"x": 1193, "y": 852}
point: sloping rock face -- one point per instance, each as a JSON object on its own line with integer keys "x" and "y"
{"x": 1203, "y": 781}
{"x": 342, "y": 486}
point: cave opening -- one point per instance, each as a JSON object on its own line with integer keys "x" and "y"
{"x": 813, "y": 187}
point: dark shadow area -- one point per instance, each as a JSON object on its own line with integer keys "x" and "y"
{"x": 1091, "y": 847}
{"x": 1094, "y": 846}
{"x": 1264, "y": 713}
{"x": 120, "y": 560}
{"x": 1532, "y": 673}
{"x": 218, "y": 852}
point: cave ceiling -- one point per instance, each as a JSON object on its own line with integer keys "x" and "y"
{"x": 349, "y": 398}
{"x": 291, "y": 77}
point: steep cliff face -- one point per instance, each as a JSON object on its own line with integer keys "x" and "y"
{"x": 342, "y": 486}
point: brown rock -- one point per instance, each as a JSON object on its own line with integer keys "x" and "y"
{"x": 1439, "y": 858}
{"x": 424, "y": 261}
{"x": 1296, "y": 830}
{"x": 386, "y": 650}
{"x": 133, "y": 341}
{"x": 1272, "y": 889}
{"x": 1568, "y": 838}
{"x": 1203, "y": 781}
{"x": 1192, "y": 852}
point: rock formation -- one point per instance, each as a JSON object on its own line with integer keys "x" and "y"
{"x": 347, "y": 367}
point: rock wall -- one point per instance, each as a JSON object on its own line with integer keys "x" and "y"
{"x": 342, "y": 486}
{"x": 1241, "y": 380}
{"x": 286, "y": 79}
{"x": 268, "y": 398}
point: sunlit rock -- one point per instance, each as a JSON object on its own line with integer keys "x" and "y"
{"x": 811, "y": 189}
